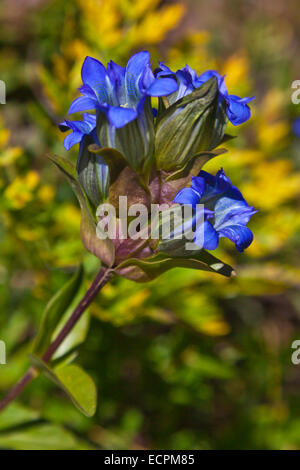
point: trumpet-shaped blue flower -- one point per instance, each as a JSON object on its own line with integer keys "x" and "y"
{"x": 226, "y": 212}
{"x": 120, "y": 92}
{"x": 79, "y": 130}
{"x": 238, "y": 110}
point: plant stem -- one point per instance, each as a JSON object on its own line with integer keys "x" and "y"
{"x": 101, "y": 279}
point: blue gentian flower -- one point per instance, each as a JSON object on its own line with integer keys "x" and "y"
{"x": 121, "y": 97}
{"x": 120, "y": 92}
{"x": 226, "y": 212}
{"x": 238, "y": 110}
{"x": 79, "y": 130}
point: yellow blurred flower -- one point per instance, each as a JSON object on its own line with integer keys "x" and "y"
{"x": 273, "y": 183}
{"x": 46, "y": 193}
{"x": 20, "y": 191}
{"x": 237, "y": 68}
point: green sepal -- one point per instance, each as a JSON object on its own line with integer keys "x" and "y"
{"x": 193, "y": 124}
{"x": 194, "y": 165}
{"x": 144, "y": 270}
{"x": 135, "y": 140}
{"x": 124, "y": 181}
{"x": 93, "y": 173}
{"x": 103, "y": 249}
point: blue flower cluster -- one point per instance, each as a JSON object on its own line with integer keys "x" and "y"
{"x": 237, "y": 108}
{"x": 118, "y": 92}
{"x": 121, "y": 92}
{"x": 226, "y": 211}
{"x": 123, "y": 119}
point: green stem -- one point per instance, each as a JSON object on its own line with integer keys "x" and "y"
{"x": 101, "y": 279}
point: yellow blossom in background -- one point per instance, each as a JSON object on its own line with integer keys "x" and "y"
{"x": 108, "y": 29}
{"x": 192, "y": 49}
{"x": 67, "y": 218}
{"x": 46, "y": 193}
{"x": 273, "y": 183}
{"x": 148, "y": 33}
{"x": 20, "y": 191}
{"x": 10, "y": 155}
{"x": 237, "y": 72}
{"x": 101, "y": 21}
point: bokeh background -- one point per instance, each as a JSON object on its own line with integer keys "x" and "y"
{"x": 191, "y": 360}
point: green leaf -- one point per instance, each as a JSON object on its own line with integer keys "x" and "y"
{"x": 39, "y": 437}
{"x": 102, "y": 248}
{"x": 55, "y": 310}
{"x": 15, "y": 415}
{"x": 74, "y": 381}
{"x": 148, "y": 269}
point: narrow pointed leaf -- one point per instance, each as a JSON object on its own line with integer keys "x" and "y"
{"x": 148, "y": 269}
{"x": 55, "y": 310}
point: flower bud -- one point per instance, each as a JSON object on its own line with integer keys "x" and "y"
{"x": 189, "y": 126}
{"x": 93, "y": 173}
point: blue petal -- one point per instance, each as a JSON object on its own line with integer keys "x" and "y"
{"x": 296, "y": 127}
{"x": 204, "y": 77}
{"x": 162, "y": 87}
{"x": 230, "y": 211}
{"x": 90, "y": 120}
{"x": 209, "y": 179}
{"x": 137, "y": 63}
{"x": 211, "y": 238}
{"x": 63, "y": 126}
{"x": 198, "y": 185}
{"x": 239, "y": 234}
{"x": 163, "y": 71}
{"x": 82, "y": 104}
{"x": 238, "y": 111}
{"x": 87, "y": 91}
{"x": 79, "y": 126}
{"x": 147, "y": 78}
{"x": 134, "y": 72}
{"x": 119, "y": 116}
{"x": 72, "y": 139}
{"x": 192, "y": 73}
{"x": 187, "y": 196}
{"x": 116, "y": 72}
{"x": 93, "y": 72}
{"x": 223, "y": 182}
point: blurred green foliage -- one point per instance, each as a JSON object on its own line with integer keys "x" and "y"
{"x": 191, "y": 360}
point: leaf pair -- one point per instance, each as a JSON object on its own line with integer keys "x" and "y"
{"x": 69, "y": 377}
